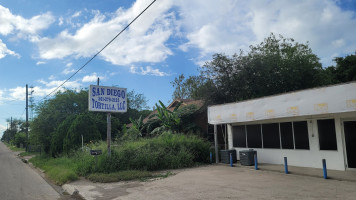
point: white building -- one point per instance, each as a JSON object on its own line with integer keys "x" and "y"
{"x": 304, "y": 126}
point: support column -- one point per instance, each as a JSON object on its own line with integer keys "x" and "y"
{"x": 216, "y": 144}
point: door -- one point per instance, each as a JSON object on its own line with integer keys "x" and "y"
{"x": 350, "y": 139}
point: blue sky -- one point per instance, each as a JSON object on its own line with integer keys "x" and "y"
{"x": 43, "y": 42}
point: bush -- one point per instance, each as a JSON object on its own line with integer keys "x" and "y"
{"x": 20, "y": 138}
{"x": 167, "y": 151}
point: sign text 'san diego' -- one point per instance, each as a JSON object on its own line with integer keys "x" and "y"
{"x": 107, "y": 99}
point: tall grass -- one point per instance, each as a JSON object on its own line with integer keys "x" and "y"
{"x": 60, "y": 170}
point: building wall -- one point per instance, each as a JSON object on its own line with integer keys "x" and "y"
{"x": 335, "y": 159}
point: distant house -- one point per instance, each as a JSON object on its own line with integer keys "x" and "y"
{"x": 200, "y": 118}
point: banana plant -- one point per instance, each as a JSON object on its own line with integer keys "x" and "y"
{"x": 137, "y": 123}
{"x": 169, "y": 119}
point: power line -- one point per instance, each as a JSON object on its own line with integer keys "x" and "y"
{"x": 99, "y": 51}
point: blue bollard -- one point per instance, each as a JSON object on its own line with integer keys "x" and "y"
{"x": 211, "y": 157}
{"x": 285, "y": 165}
{"x": 256, "y": 164}
{"x": 231, "y": 159}
{"x": 324, "y": 169}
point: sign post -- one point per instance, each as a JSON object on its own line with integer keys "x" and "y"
{"x": 109, "y": 100}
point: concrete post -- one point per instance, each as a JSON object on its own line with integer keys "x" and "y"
{"x": 216, "y": 144}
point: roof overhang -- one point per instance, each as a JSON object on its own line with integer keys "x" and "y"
{"x": 317, "y": 101}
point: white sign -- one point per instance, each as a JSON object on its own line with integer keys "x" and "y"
{"x": 107, "y": 99}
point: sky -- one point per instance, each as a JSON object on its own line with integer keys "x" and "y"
{"x": 42, "y": 43}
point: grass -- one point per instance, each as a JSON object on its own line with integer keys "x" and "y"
{"x": 60, "y": 170}
{"x": 119, "y": 176}
{"x": 22, "y": 154}
{"x": 131, "y": 160}
{"x": 126, "y": 175}
{"x": 14, "y": 148}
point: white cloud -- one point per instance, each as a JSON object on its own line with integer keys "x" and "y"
{"x": 40, "y": 63}
{"x": 24, "y": 28}
{"x": 18, "y": 93}
{"x": 325, "y": 25}
{"x": 48, "y": 86}
{"x": 144, "y": 41}
{"x": 68, "y": 69}
{"x": 148, "y": 71}
{"x": 229, "y": 25}
{"x": 60, "y": 21}
{"x": 92, "y": 78}
{"x": 76, "y": 14}
{"x": 4, "y": 51}
{"x": 214, "y": 27}
{"x": 52, "y": 77}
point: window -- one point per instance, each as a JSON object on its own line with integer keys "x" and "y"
{"x": 327, "y": 134}
{"x": 254, "y": 139}
{"x": 301, "y": 137}
{"x": 270, "y": 133}
{"x": 287, "y": 135}
{"x": 239, "y": 136}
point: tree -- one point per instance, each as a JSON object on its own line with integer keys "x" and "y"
{"x": 276, "y": 65}
{"x": 181, "y": 91}
{"x": 52, "y": 112}
{"x": 137, "y": 101}
{"x": 345, "y": 69}
{"x": 194, "y": 87}
{"x": 83, "y": 125}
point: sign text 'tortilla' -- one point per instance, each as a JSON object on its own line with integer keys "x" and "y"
{"x": 107, "y": 99}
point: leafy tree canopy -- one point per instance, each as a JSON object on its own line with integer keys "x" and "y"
{"x": 276, "y": 65}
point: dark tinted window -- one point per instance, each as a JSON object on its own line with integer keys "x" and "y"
{"x": 301, "y": 137}
{"x": 254, "y": 139}
{"x": 239, "y": 136}
{"x": 270, "y": 133}
{"x": 287, "y": 135}
{"x": 327, "y": 134}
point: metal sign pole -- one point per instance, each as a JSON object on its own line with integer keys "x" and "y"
{"x": 108, "y": 132}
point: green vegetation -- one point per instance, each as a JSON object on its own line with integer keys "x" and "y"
{"x": 119, "y": 176}
{"x": 276, "y": 65}
{"x": 132, "y": 159}
{"x": 22, "y": 154}
{"x": 167, "y": 151}
{"x": 60, "y": 170}
{"x": 14, "y": 148}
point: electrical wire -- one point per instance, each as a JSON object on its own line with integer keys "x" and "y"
{"x": 99, "y": 51}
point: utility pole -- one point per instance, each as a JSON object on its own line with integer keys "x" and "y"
{"x": 26, "y": 115}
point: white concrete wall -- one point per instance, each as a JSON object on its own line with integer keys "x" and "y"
{"x": 303, "y": 158}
